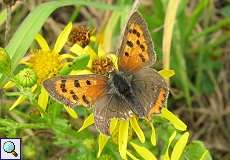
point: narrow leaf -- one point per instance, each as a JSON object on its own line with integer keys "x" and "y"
{"x": 88, "y": 121}
{"x": 71, "y": 112}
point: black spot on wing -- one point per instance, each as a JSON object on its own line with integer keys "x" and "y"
{"x": 129, "y": 43}
{"x": 84, "y": 98}
{"x": 88, "y": 82}
{"x": 76, "y": 83}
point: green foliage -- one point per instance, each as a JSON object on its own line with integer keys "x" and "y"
{"x": 195, "y": 66}
{"x": 78, "y": 63}
{"x": 195, "y": 58}
{"x": 25, "y": 34}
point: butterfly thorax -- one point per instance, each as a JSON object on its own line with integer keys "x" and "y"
{"x": 120, "y": 85}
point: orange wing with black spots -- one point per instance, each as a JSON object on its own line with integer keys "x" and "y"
{"x": 76, "y": 90}
{"x": 136, "y": 50}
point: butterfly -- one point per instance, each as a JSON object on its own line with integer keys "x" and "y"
{"x": 135, "y": 89}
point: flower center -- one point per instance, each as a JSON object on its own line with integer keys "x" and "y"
{"x": 45, "y": 63}
{"x": 102, "y": 65}
{"x": 80, "y": 35}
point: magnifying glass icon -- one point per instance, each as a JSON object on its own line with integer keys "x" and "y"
{"x": 9, "y": 147}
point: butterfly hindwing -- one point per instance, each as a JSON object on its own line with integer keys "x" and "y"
{"x": 108, "y": 107}
{"x": 136, "y": 49}
{"x": 76, "y": 90}
{"x": 151, "y": 90}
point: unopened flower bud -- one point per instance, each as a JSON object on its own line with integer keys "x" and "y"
{"x": 26, "y": 78}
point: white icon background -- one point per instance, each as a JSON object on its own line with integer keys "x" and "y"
{"x": 9, "y": 156}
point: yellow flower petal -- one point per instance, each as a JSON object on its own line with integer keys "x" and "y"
{"x": 9, "y": 85}
{"x": 67, "y": 56}
{"x": 114, "y": 59}
{"x": 101, "y": 52}
{"x": 101, "y": 142}
{"x": 143, "y": 152}
{"x": 93, "y": 39}
{"x": 166, "y": 155}
{"x": 123, "y": 137}
{"x": 113, "y": 125}
{"x": 176, "y": 122}
{"x": 17, "y": 102}
{"x": 62, "y": 38}
{"x": 179, "y": 146}
{"x": 42, "y": 42}
{"x": 137, "y": 129}
{"x": 205, "y": 155}
{"x": 88, "y": 121}
{"x": 166, "y": 73}
{"x": 77, "y": 49}
{"x": 81, "y": 72}
{"x": 89, "y": 65}
{"x": 71, "y": 112}
{"x": 90, "y": 51}
{"x": 131, "y": 156}
{"x": 43, "y": 99}
{"x": 21, "y": 99}
{"x": 153, "y": 135}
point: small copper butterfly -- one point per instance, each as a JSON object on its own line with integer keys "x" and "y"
{"x": 135, "y": 89}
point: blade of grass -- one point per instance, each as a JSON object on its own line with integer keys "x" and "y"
{"x": 214, "y": 28}
{"x": 181, "y": 68}
{"x": 194, "y": 19}
{"x": 168, "y": 30}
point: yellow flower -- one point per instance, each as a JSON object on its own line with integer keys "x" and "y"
{"x": 46, "y": 63}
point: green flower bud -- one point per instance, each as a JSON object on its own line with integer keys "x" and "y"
{"x": 26, "y": 78}
{"x": 5, "y": 62}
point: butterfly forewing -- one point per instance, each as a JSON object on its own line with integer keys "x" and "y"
{"x": 136, "y": 50}
{"x": 76, "y": 90}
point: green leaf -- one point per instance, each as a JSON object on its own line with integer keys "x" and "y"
{"x": 26, "y": 32}
{"x": 179, "y": 62}
{"x": 216, "y": 27}
{"x": 79, "y": 63}
{"x": 196, "y": 151}
{"x": 3, "y": 16}
{"x": 194, "y": 19}
{"x": 225, "y": 11}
